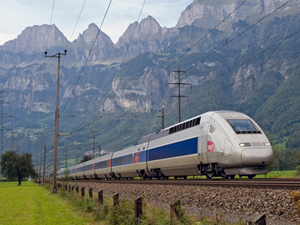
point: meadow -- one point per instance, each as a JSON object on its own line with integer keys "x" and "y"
{"x": 32, "y": 204}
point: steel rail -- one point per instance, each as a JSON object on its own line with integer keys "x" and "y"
{"x": 283, "y": 183}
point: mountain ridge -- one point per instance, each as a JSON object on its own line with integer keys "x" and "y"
{"x": 128, "y": 91}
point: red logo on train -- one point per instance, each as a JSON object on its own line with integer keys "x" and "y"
{"x": 210, "y": 146}
{"x": 137, "y": 157}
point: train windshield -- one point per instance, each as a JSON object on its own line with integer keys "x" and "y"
{"x": 243, "y": 127}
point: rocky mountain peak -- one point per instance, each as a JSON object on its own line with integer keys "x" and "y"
{"x": 147, "y": 28}
{"x": 207, "y": 13}
{"x": 36, "y": 39}
{"x": 88, "y": 37}
{"x": 102, "y": 50}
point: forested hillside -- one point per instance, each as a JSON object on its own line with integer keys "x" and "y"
{"x": 248, "y": 61}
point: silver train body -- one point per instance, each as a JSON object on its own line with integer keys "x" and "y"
{"x": 215, "y": 144}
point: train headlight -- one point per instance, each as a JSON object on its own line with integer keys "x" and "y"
{"x": 245, "y": 144}
{"x": 267, "y": 144}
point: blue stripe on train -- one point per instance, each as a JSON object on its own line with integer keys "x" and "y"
{"x": 186, "y": 147}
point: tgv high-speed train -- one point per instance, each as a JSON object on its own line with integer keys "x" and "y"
{"x": 215, "y": 144}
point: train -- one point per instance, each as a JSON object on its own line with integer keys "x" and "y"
{"x": 214, "y": 144}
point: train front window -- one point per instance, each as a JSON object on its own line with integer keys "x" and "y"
{"x": 243, "y": 127}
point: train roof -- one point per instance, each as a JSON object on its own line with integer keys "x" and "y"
{"x": 231, "y": 114}
{"x": 171, "y": 129}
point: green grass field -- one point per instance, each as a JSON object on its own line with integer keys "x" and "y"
{"x": 33, "y": 204}
{"x": 279, "y": 174}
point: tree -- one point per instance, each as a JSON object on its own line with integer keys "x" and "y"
{"x": 16, "y": 166}
{"x": 86, "y": 158}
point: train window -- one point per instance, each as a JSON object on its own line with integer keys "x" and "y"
{"x": 139, "y": 149}
{"x": 144, "y": 148}
{"x": 171, "y": 130}
{"x": 243, "y": 126}
{"x": 198, "y": 120}
{"x": 185, "y": 125}
{"x": 212, "y": 129}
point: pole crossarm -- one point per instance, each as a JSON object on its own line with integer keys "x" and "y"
{"x": 179, "y": 95}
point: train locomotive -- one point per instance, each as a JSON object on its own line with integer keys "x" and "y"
{"x": 214, "y": 144}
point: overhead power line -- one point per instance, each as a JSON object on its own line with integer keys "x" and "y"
{"x": 228, "y": 42}
{"x": 91, "y": 49}
{"x": 52, "y": 11}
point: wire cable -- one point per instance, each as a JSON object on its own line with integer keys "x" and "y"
{"x": 81, "y": 73}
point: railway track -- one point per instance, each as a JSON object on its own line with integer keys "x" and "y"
{"x": 282, "y": 183}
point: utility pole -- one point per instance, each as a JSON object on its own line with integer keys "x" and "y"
{"x": 44, "y": 165}
{"x": 162, "y": 118}
{"x": 94, "y": 136}
{"x": 94, "y": 144}
{"x": 179, "y": 95}
{"x": 57, "y": 55}
{"x": 99, "y": 150}
{"x": 1, "y": 102}
{"x": 66, "y": 158}
{"x": 41, "y": 160}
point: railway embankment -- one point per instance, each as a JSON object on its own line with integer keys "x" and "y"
{"x": 230, "y": 203}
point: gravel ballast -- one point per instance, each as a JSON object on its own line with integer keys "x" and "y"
{"x": 230, "y": 203}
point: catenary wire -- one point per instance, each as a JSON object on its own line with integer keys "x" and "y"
{"x": 236, "y": 37}
{"x": 81, "y": 73}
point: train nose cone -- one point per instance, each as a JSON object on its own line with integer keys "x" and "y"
{"x": 257, "y": 156}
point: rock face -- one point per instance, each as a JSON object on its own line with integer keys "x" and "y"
{"x": 139, "y": 38}
{"x": 135, "y": 96}
{"x": 36, "y": 39}
{"x": 94, "y": 47}
{"x": 132, "y": 75}
{"x": 102, "y": 46}
{"x": 207, "y": 14}
{"x": 146, "y": 36}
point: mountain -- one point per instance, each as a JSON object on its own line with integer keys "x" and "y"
{"x": 246, "y": 63}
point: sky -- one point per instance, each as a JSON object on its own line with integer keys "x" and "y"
{"x": 16, "y": 15}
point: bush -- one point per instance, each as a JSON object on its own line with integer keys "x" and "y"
{"x": 297, "y": 174}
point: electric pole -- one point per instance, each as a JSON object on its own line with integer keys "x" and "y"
{"x": 179, "y": 95}
{"x": 94, "y": 136}
{"x": 1, "y": 101}
{"x": 57, "y": 55}
{"x": 41, "y": 160}
{"x": 162, "y": 118}
{"x": 66, "y": 158}
{"x": 94, "y": 144}
{"x": 44, "y": 165}
{"x": 99, "y": 150}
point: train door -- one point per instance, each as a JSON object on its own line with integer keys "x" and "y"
{"x": 227, "y": 147}
{"x": 202, "y": 149}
